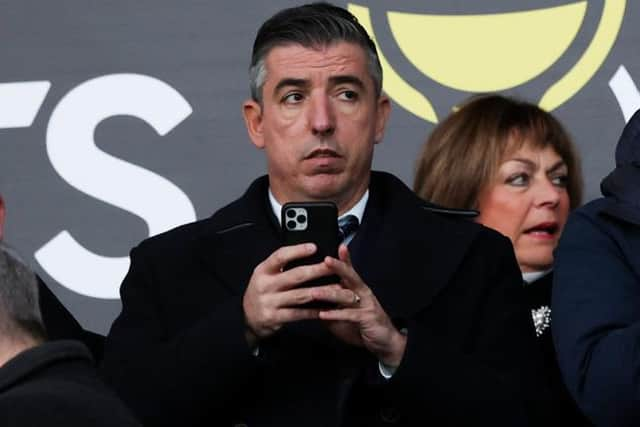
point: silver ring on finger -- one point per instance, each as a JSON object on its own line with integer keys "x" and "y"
{"x": 356, "y": 299}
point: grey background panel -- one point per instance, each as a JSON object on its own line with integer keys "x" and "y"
{"x": 200, "y": 50}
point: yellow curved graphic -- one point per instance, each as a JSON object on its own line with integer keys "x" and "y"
{"x": 492, "y": 52}
{"x": 591, "y": 60}
{"x": 488, "y": 52}
{"x": 394, "y": 85}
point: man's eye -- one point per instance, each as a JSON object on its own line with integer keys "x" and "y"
{"x": 292, "y": 98}
{"x": 348, "y": 95}
{"x": 518, "y": 180}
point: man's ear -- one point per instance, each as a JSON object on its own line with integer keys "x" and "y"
{"x": 252, "y": 113}
{"x": 382, "y": 115}
{"x": 2, "y": 214}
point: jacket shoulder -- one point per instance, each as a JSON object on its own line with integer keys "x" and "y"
{"x": 439, "y": 222}
{"x": 454, "y": 221}
{"x": 236, "y": 214}
{"x": 451, "y": 212}
{"x": 176, "y": 238}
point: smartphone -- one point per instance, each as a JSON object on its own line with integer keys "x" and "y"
{"x": 312, "y": 222}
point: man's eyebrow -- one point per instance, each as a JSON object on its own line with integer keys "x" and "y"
{"x": 286, "y": 82}
{"x": 347, "y": 79}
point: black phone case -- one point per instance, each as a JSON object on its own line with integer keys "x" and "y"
{"x": 321, "y": 229}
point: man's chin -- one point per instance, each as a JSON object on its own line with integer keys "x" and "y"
{"x": 323, "y": 186}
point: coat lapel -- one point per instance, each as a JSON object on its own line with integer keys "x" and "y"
{"x": 405, "y": 253}
{"x": 239, "y": 237}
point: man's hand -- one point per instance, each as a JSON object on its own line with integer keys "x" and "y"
{"x": 271, "y": 298}
{"x": 360, "y": 320}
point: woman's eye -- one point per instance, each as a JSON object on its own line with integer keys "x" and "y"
{"x": 519, "y": 180}
{"x": 560, "y": 180}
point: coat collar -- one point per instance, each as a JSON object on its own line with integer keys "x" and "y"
{"x": 620, "y": 187}
{"x": 38, "y": 358}
{"x": 622, "y": 211}
{"x": 404, "y": 252}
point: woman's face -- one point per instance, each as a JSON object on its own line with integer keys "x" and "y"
{"x": 528, "y": 202}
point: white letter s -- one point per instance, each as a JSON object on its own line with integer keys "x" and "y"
{"x": 75, "y": 156}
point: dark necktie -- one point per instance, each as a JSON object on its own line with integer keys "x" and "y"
{"x": 347, "y": 226}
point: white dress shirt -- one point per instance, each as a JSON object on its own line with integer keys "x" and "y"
{"x": 532, "y": 276}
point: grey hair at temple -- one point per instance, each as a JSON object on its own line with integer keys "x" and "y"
{"x": 312, "y": 25}
{"x": 20, "y": 316}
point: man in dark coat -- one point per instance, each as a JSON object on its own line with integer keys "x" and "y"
{"x": 596, "y": 294}
{"x": 52, "y": 383}
{"x": 428, "y": 326}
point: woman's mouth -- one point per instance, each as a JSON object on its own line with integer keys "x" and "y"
{"x": 544, "y": 230}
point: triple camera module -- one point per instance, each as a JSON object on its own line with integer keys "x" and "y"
{"x": 296, "y": 218}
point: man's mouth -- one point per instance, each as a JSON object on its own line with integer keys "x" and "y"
{"x": 322, "y": 153}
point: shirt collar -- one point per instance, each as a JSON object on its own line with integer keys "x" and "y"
{"x": 532, "y": 276}
{"x": 357, "y": 209}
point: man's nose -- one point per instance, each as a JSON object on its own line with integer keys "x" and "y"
{"x": 321, "y": 116}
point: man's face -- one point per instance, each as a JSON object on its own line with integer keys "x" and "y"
{"x": 318, "y": 122}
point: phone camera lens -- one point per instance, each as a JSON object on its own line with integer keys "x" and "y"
{"x": 291, "y": 213}
{"x": 291, "y": 225}
{"x": 302, "y": 219}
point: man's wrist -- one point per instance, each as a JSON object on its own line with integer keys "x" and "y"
{"x": 396, "y": 350}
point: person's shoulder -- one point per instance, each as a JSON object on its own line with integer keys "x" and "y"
{"x": 176, "y": 238}
{"x": 455, "y": 222}
{"x": 436, "y": 220}
{"x": 591, "y": 209}
{"x": 457, "y": 218}
{"x": 599, "y": 224}
{"x": 56, "y": 382}
{"x": 238, "y": 212}
{"x": 460, "y": 225}
{"x": 50, "y": 405}
{"x": 590, "y": 218}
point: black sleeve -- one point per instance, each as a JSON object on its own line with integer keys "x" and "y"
{"x": 175, "y": 379}
{"x": 596, "y": 324}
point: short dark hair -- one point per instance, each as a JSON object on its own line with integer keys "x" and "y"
{"x": 463, "y": 153}
{"x": 310, "y": 25}
{"x": 19, "y": 307}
